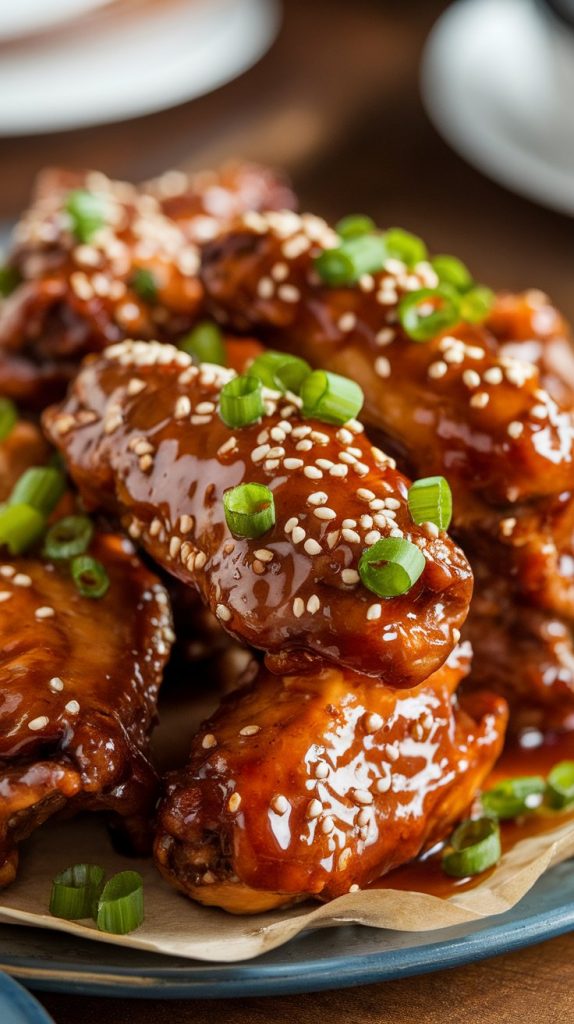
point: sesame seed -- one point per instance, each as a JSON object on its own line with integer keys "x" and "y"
{"x": 288, "y": 293}
{"x": 392, "y": 752}
{"x": 293, "y": 463}
{"x": 304, "y": 446}
{"x": 374, "y": 612}
{"x": 280, "y": 804}
{"x": 145, "y": 463}
{"x": 349, "y": 523}
{"x": 249, "y": 730}
{"x": 265, "y": 288}
{"x": 540, "y": 412}
{"x": 135, "y": 386}
{"x": 437, "y": 369}
{"x": 325, "y": 513}
{"x": 351, "y": 536}
{"x": 480, "y": 400}
{"x": 182, "y": 407}
{"x": 471, "y": 378}
{"x": 259, "y": 453}
{"x": 22, "y": 580}
{"x": 515, "y": 428}
{"x": 317, "y": 498}
{"x": 384, "y": 336}
{"x": 364, "y": 494}
{"x": 327, "y": 825}
{"x": 298, "y": 607}
{"x": 223, "y": 612}
{"x": 234, "y": 802}
{"x": 174, "y": 546}
{"x": 5, "y": 595}
{"x": 313, "y": 604}
{"x": 507, "y": 526}
{"x": 72, "y": 707}
{"x": 338, "y": 471}
{"x": 279, "y": 271}
{"x": 7, "y": 571}
{"x": 372, "y": 537}
{"x": 361, "y": 796}
{"x": 431, "y": 529}
{"x": 333, "y": 538}
{"x": 350, "y": 576}
{"x": 344, "y": 859}
{"x": 347, "y": 322}
{"x": 325, "y": 463}
{"x": 298, "y": 534}
{"x": 312, "y": 472}
{"x": 185, "y": 523}
{"x": 321, "y": 770}
{"x": 38, "y": 723}
{"x": 208, "y": 741}
{"x": 312, "y": 547}
{"x": 493, "y": 375}
{"x": 354, "y": 887}
{"x": 373, "y": 722}
{"x": 314, "y": 808}
{"x": 44, "y": 613}
{"x": 264, "y": 555}
{"x": 456, "y": 634}
{"x": 383, "y": 784}
{"x": 363, "y": 817}
{"x": 291, "y": 524}
{"x": 56, "y": 684}
{"x": 382, "y": 366}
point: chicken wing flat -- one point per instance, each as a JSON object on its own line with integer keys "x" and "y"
{"x": 96, "y": 260}
{"x": 79, "y": 682}
{"x": 142, "y": 436}
{"x": 458, "y": 404}
{"x": 313, "y": 785}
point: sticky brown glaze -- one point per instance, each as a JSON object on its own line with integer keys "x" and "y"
{"x": 528, "y": 327}
{"x": 314, "y": 785}
{"x": 77, "y": 298}
{"x": 78, "y": 683}
{"x": 141, "y": 435}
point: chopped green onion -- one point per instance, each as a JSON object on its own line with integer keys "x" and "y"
{"x": 513, "y": 797}
{"x": 20, "y": 527}
{"x": 354, "y": 225}
{"x": 90, "y": 577}
{"x": 401, "y": 245}
{"x": 121, "y": 904}
{"x": 475, "y": 847}
{"x": 10, "y": 278}
{"x": 249, "y": 510}
{"x": 476, "y": 304}
{"x": 425, "y": 313}
{"x": 205, "y": 344}
{"x": 453, "y": 271}
{"x": 75, "y": 891}
{"x": 331, "y": 398}
{"x": 68, "y": 537}
{"x": 347, "y": 262}
{"x": 391, "y": 566}
{"x": 241, "y": 401}
{"x": 87, "y": 213}
{"x": 144, "y": 284}
{"x": 560, "y": 785}
{"x": 430, "y": 501}
{"x": 41, "y": 487}
{"x": 280, "y": 371}
{"x": 8, "y": 417}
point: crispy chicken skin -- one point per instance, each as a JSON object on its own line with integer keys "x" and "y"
{"x": 468, "y": 404}
{"x": 79, "y": 682}
{"x": 77, "y": 297}
{"x": 141, "y": 436}
{"x": 312, "y": 785}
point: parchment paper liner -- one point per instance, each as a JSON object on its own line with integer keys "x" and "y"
{"x": 175, "y": 926}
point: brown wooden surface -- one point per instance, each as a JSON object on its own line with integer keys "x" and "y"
{"x": 336, "y": 102}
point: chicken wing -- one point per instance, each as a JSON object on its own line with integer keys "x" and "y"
{"x": 141, "y": 435}
{"x": 313, "y": 785}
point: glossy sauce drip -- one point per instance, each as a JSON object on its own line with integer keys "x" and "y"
{"x": 519, "y": 758}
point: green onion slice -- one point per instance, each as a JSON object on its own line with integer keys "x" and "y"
{"x": 10, "y": 278}
{"x": 331, "y": 398}
{"x": 452, "y": 271}
{"x": 425, "y": 313}
{"x": 241, "y": 401}
{"x": 560, "y": 785}
{"x": 144, "y": 284}
{"x": 121, "y": 904}
{"x": 347, "y": 262}
{"x": 75, "y": 891}
{"x": 90, "y": 577}
{"x": 68, "y": 537}
{"x": 476, "y": 304}
{"x": 391, "y": 566}
{"x": 20, "y": 527}
{"x": 406, "y": 247}
{"x": 280, "y": 371}
{"x": 8, "y": 417}
{"x": 430, "y": 501}
{"x": 205, "y": 344}
{"x": 513, "y": 797}
{"x": 249, "y": 510}
{"x": 354, "y": 225}
{"x": 474, "y": 847}
{"x": 87, "y": 213}
{"x": 41, "y": 487}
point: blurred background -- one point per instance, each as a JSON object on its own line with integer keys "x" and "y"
{"x": 455, "y": 120}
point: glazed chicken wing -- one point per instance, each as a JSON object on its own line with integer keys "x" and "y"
{"x": 142, "y": 436}
{"x": 313, "y": 785}
{"x": 98, "y": 260}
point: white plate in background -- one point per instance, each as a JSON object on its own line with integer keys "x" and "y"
{"x": 490, "y": 84}
{"x": 130, "y": 62}
{"x": 27, "y": 16}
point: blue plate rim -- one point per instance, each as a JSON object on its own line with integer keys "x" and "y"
{"x": 253, "y": 978}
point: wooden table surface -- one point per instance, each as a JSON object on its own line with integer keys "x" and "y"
{"x": 336, "y": 102}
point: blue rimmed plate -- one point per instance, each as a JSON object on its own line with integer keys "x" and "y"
{"x": 332, "y": 958}
{"x": 17, "y": 1006}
